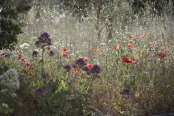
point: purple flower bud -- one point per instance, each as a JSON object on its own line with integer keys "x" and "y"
{"x": 39, "y": 90}
{"x": 37, "y": 43}
{"x": 34, "y": 54}
{"x": 52, "y": 53}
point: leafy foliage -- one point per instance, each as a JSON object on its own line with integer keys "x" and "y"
{"x": 9, "y": 25}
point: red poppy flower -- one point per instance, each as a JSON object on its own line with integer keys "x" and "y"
{"x": 130, "y": 36}
{"x": 95, "y": 50}
{"x": 129, "y": 45}
{"x": 27, "y": 63}
{"x": 149, "y": 44}
{"x": 20, "y": 57}
{"x": 159, "y": 91}
{"x": 129, "y": 61}
{"x": 64, "y": 54}
{"x": 25, "y": 71}
{"x": 86, "y": 58}
{"x": 74, "y": 71}
{"x": 126, "y": 60}
{"x": 161, "y": 55}
{"x": 31, "y": 74}
{"x": 121, "y": 42}
{"x": 58, "y": 15}
{"x": 89, "y": 65}
{"x": 64, "y": 49}
{"x": 49, "y": 48}
{"x": 88, "y": 106}
{"x": 144, "y": 36}
{"x": 49, "y": 21}
{"x": 135, "y": 40}
{"x": 170, "y": 60}
{"x": 115, "y": 47}
{"x": 23, "y": 59}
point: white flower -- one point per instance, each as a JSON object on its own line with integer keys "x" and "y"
{"x": 9, "y": 53}
{"x": 103, "y": 44}
{"x": 10, "y": 79}
{"x": 4, "y": 105}
{"x": 13, "y": 94}
{"x": 4, "y": 90}
{"x": 24, "y": 45}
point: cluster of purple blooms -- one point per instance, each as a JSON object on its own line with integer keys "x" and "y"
{"x": 67, "y": 67}
{"x": 80, "y": 63}
{"x": 43, "y": 41}
{"x": 40, "y": 93}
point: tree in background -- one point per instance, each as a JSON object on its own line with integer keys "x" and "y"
{"x": 157, "y": 6}
{"x": 9, "y": 25}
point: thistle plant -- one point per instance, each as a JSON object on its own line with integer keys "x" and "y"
{"x": 43, "y": 42}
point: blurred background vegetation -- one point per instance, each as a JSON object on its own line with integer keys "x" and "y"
{"x": 107, "y": 13}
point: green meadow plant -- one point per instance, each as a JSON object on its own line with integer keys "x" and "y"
{"x": 54, "y": 98}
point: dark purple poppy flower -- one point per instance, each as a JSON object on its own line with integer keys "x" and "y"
{"x": 39, "y": 90}
{"x": 85, "y": 68}
{"x": 80, "y": 62}
{"x": 95, "y": 69}
{"x": 125, "y": 91}
{"x": 67, "y": 67}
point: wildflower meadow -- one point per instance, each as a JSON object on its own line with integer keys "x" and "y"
{"x": 62, "y": 66}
